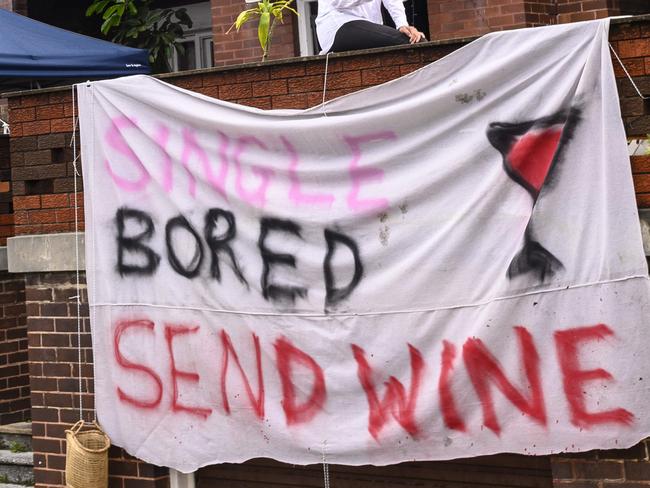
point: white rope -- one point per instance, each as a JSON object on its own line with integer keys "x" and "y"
{"x": 326, "y": 467}
{"x": 560, "y": 287}
{"x": 327, "y": 62}
{"x": 627, "y": 73}
{"x": 75, "y": 160}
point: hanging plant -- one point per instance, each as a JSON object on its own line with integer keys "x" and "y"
{"x": 269, "y": 13}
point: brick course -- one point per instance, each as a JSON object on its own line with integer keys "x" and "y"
{"x": 625, "y": 468}
{"x": 42, "y": 184}
{"x": 6, "y": 205}
{"x": 467, "y": 18}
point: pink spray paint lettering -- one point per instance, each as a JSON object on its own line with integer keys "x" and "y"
{"x": 258, "y": 196}
{"x": 182, "y": 149}
{"x": 162, "y": 138}
{"x": 115, "y": 139}
{"x": 191, "y": 146}
{"x": 359, "y": 175}
{"x": 296, "y": 195}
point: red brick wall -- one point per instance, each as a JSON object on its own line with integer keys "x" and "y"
{"x": 450, "y": 19}
{"x": 6, "y": 205}
{"x": 42, "y": 179}
{"x": 41, "y": 170}
{"x": 572, "y": 11}
{"x": 628, "y": 468}
{"x": 243, "y": 46}
{"x": 632, "y": 43}
{"x": 633, "y": 7}
{"x": 54, "y": 370}
{"x": 14, "y": 367}
{"x": 641, "y": 174}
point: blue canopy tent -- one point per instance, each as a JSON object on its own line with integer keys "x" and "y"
{"x": 37, "y": 52}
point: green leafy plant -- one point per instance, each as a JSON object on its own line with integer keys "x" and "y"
{"x": 15, "y": 446}
{"x": 134, "y": 23}
{"x": 268, "y": 14}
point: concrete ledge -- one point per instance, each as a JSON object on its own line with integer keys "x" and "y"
{"x": 44, "y": 253}
{"x": 16, "y": 458}
{"x": 19, "y": 428}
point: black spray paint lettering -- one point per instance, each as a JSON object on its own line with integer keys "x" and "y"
{"x": 334, "y": 294}
{"x": 192, "y": 269}
{"x": 221, "y": 243}
{"x": 133, "y": 244}
{"x": 145, "y": 261}
{"x": 274, "y": 291}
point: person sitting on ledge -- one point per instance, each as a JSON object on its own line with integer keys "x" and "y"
{"x": 347, "y": 25}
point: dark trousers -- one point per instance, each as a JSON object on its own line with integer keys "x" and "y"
{"x": 362, "y": 34}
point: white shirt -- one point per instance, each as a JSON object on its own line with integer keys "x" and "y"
{"x": 332, "y": 14}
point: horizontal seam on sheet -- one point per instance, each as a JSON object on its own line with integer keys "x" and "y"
{"x": 358, "y": 314}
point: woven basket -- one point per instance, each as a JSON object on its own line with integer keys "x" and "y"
{"x": 86, "y": 461}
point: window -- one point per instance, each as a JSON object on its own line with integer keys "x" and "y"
{"x": 197, "y": 42}
{"x": 307, "y": 10}
{"x": 197, "y": 52}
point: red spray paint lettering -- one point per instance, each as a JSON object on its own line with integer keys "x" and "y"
{"x": 172, "y": 331}
{"x": 396, "y": 401}
{"x": 574, "y": 378}
{"x": 257, "y": 401}
{"x": 450, "y": 414}
{"x": 121, "y": 328}
{"x": 483, "y": 368}
{"x": 289, "y": 355}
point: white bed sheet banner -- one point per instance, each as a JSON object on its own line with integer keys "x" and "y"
{"x": 443, "y": 266}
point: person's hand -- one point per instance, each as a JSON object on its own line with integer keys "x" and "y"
{"x": 413, "y": 34}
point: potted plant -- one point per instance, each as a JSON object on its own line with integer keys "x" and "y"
{"x": 269, "y": 13}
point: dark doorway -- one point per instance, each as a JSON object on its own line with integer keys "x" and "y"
{"x": 502, "y": 471}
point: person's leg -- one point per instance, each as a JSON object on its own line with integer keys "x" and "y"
{"x": 362, "y": 34}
